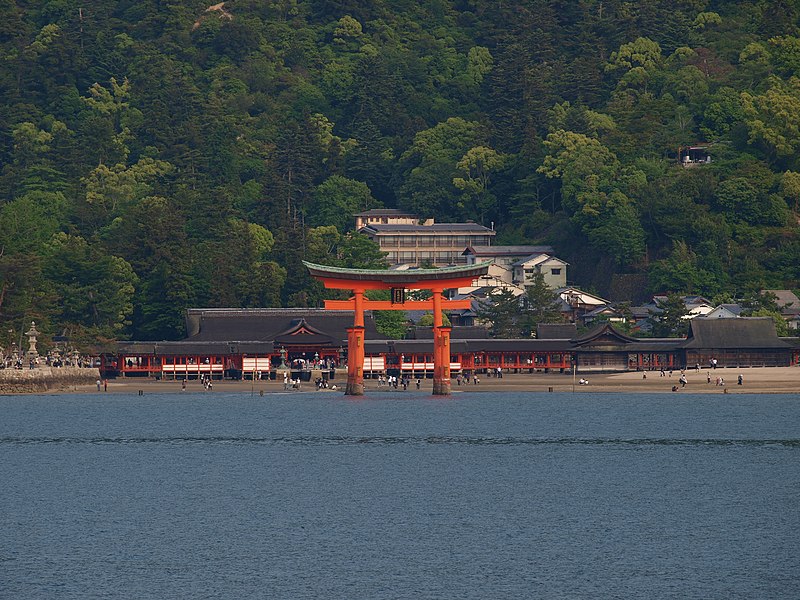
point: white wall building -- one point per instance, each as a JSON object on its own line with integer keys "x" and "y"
{"x": 554, "y": 270}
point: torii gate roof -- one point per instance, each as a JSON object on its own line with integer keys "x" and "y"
{"x": 440, "y": 277}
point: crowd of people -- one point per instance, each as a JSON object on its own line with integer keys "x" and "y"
{"x": 22, "y": 361}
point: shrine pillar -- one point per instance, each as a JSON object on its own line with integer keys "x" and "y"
{"x": 441, "y": 361}
{"x": 355, "y": 361}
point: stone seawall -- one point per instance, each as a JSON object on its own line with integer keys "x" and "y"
{"x": 44, "y": 379}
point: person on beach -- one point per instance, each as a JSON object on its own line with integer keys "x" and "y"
{"x": 740, "y": 379}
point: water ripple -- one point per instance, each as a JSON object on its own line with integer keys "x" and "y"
{"x": 394, "y": 440}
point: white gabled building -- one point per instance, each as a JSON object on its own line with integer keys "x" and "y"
{"x": 516, "y": 265}
{"x": 724, "y": 311}
{"x": 554, "y": 270}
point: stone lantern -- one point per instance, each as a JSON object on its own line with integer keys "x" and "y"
{"x": 33, "y": 354}
{"x": 341, "y": 354}
{"x": 283, "y": 364}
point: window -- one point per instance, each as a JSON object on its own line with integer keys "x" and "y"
{"x": 555, "y": 271}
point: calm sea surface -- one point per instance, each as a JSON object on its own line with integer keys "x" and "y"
{"x": 400, "y": 496}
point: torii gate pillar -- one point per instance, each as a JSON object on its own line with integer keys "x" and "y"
{"x": 441, "y": 361}
{"x": 355, "y": 362}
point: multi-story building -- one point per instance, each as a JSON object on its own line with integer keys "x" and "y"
{"x": 438, "y": 244}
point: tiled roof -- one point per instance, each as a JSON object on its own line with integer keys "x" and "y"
{"x": 787, "y": 300}
{"x": 265, "y": 325}
{"x": 744, "y": 332}
{"x": 463, "y": 332}
{"x": 508, "y": 250}
{"x": 537, "y": 259}
{"x": 196, "y": 348}
{"x": 556, "y": 331}
{"x": 456, "y": 228}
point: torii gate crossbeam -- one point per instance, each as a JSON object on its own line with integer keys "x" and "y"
{"x": 361, "y": 280}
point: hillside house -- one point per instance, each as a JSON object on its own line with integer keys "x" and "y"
{"x": 554, "y": 270}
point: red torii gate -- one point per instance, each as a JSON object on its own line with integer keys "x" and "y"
{"x": 361, "y": 280}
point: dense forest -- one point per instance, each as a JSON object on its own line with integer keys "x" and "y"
{"x": 162, "y": 154}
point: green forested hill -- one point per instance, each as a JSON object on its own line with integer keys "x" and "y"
{"x": 156, "y": 155}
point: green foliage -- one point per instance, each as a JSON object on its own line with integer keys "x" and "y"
{"x": 671, "y": 318}
{"x": 212, "y": 149}
{"x": 773, "y": 117}
{"x": 592, "y": 184}
{"x": 336, "y": 199}
{"x": 430, "y": 166}
{"x": 517, "y": 316}
{"x": 92, "y": 291}
{"x": 686, "y": 272}
{"x": 540, "y": 304}
{"x": 426, "y": 320}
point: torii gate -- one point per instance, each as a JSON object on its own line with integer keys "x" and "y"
{"x": 360, "y": 280}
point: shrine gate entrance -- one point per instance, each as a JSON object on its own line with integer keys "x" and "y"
{"x": 361, "y": 280}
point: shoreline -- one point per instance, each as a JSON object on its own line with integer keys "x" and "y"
{"x": 757, "y": 380}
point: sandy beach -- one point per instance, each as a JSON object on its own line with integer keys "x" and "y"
{"x": 775, "y": 380}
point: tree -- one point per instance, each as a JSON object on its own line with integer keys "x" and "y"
{"x": 593, "y": 185}
{"x": 638, "y": 61}
{"x": 685, "y": 271}
{"x": 94, "y": 291}
{"x": 474, "y": 169}
{"x": 670, "y": 320}
{"x": 336, "y": 200}
{"x": 21, "y": 287}
{"x": 391, "y": 323}
{"x": 357, "y": 251}
{"x": 28, "y": 222}
{"x": 426, "y": 320}
{"x": 742, "y": 202}
{"x": 111, "y": 190}
{"x": 540, "y": 304}
{"x": 503, "y": 312}
{"x": 773, "y": 117}
{"x": 429, "y": 167}
{"x": 790, "y": 186}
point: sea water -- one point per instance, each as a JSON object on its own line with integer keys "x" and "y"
{"x": 400, "y": 496}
